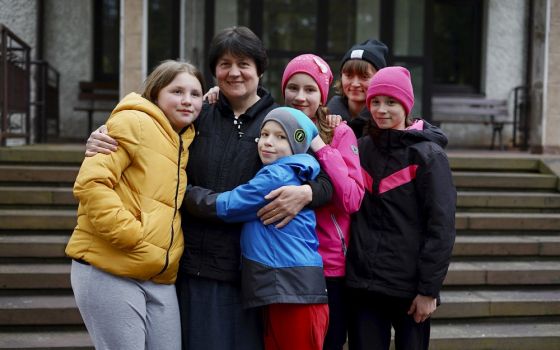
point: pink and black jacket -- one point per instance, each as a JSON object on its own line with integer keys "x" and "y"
{"x": 340, "y": 160}
{"x": 403, "y": 234}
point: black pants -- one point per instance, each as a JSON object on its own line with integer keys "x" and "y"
{"x": 371, "y": 316}
{"x": 336, "y": 334}
{"x": 212, "y": 317}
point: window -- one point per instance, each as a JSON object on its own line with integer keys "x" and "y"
{"x": 106, "y": 41}
{"x": 288, "y": 28}
{"x": 457, "y": 46}
{"x": 163, "y": 31}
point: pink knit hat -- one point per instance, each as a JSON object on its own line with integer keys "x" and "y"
{"x": 394, "y": 82}
{"x": 315, "y": 67}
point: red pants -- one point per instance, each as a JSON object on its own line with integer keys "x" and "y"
{"x": 295, "y": 326}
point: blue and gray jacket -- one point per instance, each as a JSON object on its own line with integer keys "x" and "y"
{"x": 278, "y": 265}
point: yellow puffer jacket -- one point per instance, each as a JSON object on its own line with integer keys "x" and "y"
{"x": 128, "y": 219}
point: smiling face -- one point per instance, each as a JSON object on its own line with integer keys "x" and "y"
{"x": 387, "y": 112}
{"x": 273, "y": 143}
{"x": 181, "y": 100}
{"x": 302, "y": 92}
{"x": 355, "y": 84}
{"x": 237, "y": 77}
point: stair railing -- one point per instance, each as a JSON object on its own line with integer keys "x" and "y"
{"x": 46, "y": 102}
{"x": 14, "y": 87}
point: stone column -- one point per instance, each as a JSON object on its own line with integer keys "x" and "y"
{"x": 133, "y": 55}
{"x": 544, "y": 118}
{"x": 551, "y": 122}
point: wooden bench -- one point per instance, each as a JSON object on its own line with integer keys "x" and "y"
{"x": 97, "y": 97}
{"x": 472, "y": 110}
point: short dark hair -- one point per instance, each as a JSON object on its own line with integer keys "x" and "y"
{"x": 240, "y": 42}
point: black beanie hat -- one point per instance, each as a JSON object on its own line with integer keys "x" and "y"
{"x": 372, "y": 51}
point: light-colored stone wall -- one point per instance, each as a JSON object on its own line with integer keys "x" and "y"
{"x": 538, "y": 73}
{"x": 21, "y": 18}
{"x": 133, "y": 55}
{"x": 69, "y": 49}
{"x": 551, "y": 117}
{"x": 194, "y": 33}
{"x": 504, "y": 54}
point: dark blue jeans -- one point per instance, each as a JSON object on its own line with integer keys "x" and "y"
{"x": 212, "y": 317}
{"x": 371, "y": 316}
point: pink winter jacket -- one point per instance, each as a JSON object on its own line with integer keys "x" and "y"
{"x": 340, "y": 160}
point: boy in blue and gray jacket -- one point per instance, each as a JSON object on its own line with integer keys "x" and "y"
{"x": 281, "y": 267}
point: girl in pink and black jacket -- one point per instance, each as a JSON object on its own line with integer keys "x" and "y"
{"x": 305, "y": 86}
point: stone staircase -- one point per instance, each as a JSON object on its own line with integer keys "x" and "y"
{"x": 503, "y": 286}
{"x": 37, "y": 216}
{"x": 502, "y": 290}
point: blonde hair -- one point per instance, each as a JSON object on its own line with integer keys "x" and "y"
{"x": 164, "y": 74}
{"x": 353, "y": 67}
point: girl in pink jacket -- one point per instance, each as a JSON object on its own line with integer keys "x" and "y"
{"x": 305, "y": 86}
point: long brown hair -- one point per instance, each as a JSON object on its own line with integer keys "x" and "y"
{"x": 322, "y": 124}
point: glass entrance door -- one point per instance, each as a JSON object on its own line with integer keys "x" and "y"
{"x": 327, "y": 28}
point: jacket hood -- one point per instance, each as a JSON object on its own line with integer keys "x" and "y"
{"x": 419, "y": 131}
{"x": 339, "y": 105}
{"x": 135, "y": 102}
{"x": 305, "y": 166}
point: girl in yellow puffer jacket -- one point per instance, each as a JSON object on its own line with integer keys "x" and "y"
{"x": 128, "y": 240}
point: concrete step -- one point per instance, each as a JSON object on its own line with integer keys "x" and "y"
{"x": 498, "y": 303}
{"x": 519, "y": 163}
{"x": 52, "y": 246}
{"x": 505, "y": 181}
{"x": 32, "y": 246}
{"x": 502, "y": 245}
{"x": 38, "y": 174}
{"x": 39, "y": 310}
{"x": 509, "y": 200}
{"x": 43, "y": 154}
{"x": 49, "y": 339}
{"x": 35, "y": 276}
{"x": 495, "y": 335}
{"x": 507, "y": 221}
{"x": 37, "y": 219}
{"x": 500, "y": 273}
{"x": 53, "y": 196}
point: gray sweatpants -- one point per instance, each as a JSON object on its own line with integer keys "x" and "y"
{"x": 124, "y": 313}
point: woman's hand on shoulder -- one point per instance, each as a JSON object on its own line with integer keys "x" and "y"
{"x": 100, "y": 142}
{"x": 212, "y": 95}
{"x": 286, "y": 203}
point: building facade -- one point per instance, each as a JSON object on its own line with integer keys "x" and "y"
{"x": 497, "y": 49}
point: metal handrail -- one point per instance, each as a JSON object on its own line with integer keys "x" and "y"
{"x": 47, "y": 117}
{"x": 521, "y": 116}
{"x": 14, "y": 85}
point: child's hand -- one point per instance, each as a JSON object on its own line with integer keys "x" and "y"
{"x": 334, "y": 120}
{"x": 212, "y": 95}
